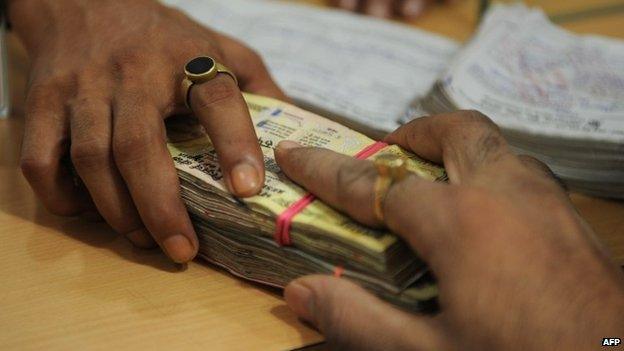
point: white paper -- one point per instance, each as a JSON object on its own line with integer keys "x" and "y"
{"x": 364, "y": 69}
{"x": 528, "y": 75}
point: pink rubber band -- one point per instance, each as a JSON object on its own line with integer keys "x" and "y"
{"x": 284, "y": 220}
{"x": 370, "y": 150}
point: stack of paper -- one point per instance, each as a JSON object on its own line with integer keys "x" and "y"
{"x": 239, "y": 234}
{"x": 358, "y": 70}
{"x": 557, "y": 96}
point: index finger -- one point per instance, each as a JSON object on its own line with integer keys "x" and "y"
{"x": 221, "y": 109}
{"x": 416, "y": 209}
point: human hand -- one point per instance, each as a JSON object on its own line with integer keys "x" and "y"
{"x": 517, "y": 267}
{"x": 104, "y": 76}
{"x": 385, "y": 8}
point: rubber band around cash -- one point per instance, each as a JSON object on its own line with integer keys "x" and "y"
{"x": 284, "y": 220}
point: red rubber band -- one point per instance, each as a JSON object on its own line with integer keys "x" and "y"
{"x": 370, "y": 150}
{"x": 284, "y": 220}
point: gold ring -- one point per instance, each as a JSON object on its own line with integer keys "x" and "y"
{"x": 390, "y": 169}
{"x": 201, "y": 69}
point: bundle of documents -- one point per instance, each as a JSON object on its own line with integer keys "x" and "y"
{"x": 557, "y": 96}
{"x": 239, "y": 234}
{"x": 358, "y": 70}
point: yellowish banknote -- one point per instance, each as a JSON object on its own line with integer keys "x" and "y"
{"x": 275, "y": 121}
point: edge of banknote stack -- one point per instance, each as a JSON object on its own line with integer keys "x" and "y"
{"x": 238, "y": 234}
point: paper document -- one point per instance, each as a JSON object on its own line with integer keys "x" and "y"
{"x": 528, "y": 74}
{"x": 360, "y": 68}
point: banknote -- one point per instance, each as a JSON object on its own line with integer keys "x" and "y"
{"x": 320, "y": 237}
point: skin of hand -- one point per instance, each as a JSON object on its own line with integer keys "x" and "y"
{"x": 517, "y": 267}
{"x": 408, "y": 9}
{"x": 104, "y": 76}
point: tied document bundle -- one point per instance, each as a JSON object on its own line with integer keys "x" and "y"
{"x": 557, "y": 96}
{"x": 240, "y": 234}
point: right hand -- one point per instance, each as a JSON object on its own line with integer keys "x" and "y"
{"x": 517, "y": 267}
{"x": 104, "y": 76}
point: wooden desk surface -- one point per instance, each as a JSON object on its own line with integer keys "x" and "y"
{"x": 71, "y": 284}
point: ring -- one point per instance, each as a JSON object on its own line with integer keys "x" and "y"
{"x": 201, "y": 69}
{"x": 390, "y": 169}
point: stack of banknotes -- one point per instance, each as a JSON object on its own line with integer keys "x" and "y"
{"x": 240, "y": 234}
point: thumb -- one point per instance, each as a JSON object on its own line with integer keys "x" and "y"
{"x": 352, "y": 318}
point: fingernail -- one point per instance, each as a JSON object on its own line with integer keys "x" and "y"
{"x": 178, "y": 248}
{"x": 348, "y": 4}
{"x": 379, "y": 9}
{"x": 245, "y": 179}
{"x": 300, "y": 300}
{"x": 288, "y": 144}
{"x": 413, "y": 8}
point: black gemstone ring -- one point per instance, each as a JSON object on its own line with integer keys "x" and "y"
{"x": 199, "y": 70}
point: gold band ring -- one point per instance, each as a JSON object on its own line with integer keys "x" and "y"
{"x": 201, "y": 69}
{"x": 390, "y": 169}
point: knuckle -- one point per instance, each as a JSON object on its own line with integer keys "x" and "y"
{"x": 130, "y": 56}
{"x": 477, "y": 121}
{"x": 352, "y": 178}
{"x": 212, "y": 92}
{"x": 479, "y": 118}
{"x": 91, "y": 153}
{"x": 127, "y": 62}
{"x": 35, "y": 168}
{"x": 472, "y": 122}
{"x": 39, "y": 95}
{"x": 132, "y": 145}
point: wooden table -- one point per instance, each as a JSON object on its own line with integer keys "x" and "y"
{"x": 70, "y": 284}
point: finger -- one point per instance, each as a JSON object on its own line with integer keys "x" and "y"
{"x": 43, "y": 148}
{"x": 352, "y": 319}
{"x": 345, "y": 183}
{"x": 142, "y": 158}
{"x": 223, "y": 112}
{"x": 418, "y": 210}
{"x": 465, "y": 141}
{"x": 379, "y": 8}
{"x": 92, "y": 157}
{"x": 249, "y": 68}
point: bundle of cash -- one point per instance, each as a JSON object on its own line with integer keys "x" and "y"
{"x": 239, "y": 233}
